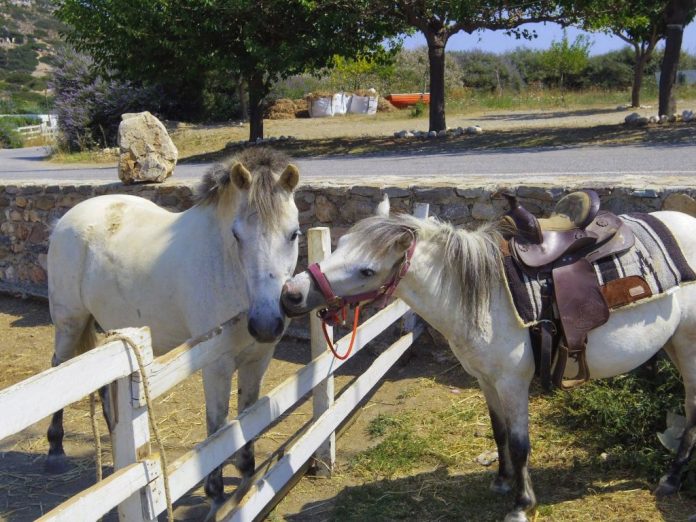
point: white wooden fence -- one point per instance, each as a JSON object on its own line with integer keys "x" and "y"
{"x": 33, "y": 131}
{"x": 137, "y": 486}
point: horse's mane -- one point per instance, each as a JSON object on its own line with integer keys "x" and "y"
{"x": 265, "y": 165}
{"x": 471, "y": 259}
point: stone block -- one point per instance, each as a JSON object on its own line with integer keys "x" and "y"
{"x": 397, "y": 192}
{"x": 434, "y": 195}
{"x": 471, "y": 192}
{"x": 370, "y": 192}
{"x": 324, "y": 210}
{"x": 680, "y": 203}
{"x": 484, "y": 211}
{"x": 44, "y": 203}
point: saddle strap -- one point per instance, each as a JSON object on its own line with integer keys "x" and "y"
{"x": 581, "y": 308}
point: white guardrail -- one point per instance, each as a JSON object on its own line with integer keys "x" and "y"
{"x": 136, "y": 486}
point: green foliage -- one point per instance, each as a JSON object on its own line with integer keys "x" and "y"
{"x": 21, "y": 120}
{"x": 418, "y": 109}
{"x": 9, "y": 137}
{"x": 623, "y": 415}
{"x": 22, "y": 58}
{"x": 564, "y": 59}
{"x": 487, "y": 71}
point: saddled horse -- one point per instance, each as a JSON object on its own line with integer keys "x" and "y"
{"x": 455, "y": 282}
{"x": 122, "y": 261}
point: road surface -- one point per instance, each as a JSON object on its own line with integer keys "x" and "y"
{"x": 647, "y": 162}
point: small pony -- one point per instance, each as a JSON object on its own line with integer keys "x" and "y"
{"x": 455, "y": 282}
{"x": 122, "y": 261}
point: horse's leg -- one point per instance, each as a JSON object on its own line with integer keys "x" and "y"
{"x": 682, "y": 351}
{"x": 501, "y": 483}
{"x": 513, "y": 392}
{"x": 217, "y": 383}
{"x": 72, "y": 337}
{"x": 250, "y": 376}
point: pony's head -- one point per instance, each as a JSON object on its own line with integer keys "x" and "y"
{"x": 253, "y": 195}
{"x": 356, "y": 266}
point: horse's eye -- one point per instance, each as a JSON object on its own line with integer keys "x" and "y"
{"x": 234, "y": 233}
{"x": 367, "y": 272}
{"x": 295, "y": 235}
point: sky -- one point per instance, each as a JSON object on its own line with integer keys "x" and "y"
{"x": 499, "y": 42}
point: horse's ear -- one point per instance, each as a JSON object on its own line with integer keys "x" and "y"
{"x": 240, "y": 176}
{"x": 383, "y": 207}
{"x": 289, "y": 178}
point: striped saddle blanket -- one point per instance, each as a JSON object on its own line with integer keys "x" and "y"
{"x": 655, "y": 258}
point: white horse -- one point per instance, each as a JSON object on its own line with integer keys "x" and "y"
{"x": 122, "y": 261}
{"x": 456, "y": 284}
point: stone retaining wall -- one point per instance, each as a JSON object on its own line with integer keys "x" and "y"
{"x": 28, "y": 210}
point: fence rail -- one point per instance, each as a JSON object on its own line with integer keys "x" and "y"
{"x": 136, "y": 486}
{"x": 32, "y": 131}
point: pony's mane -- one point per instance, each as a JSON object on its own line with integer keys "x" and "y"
{"x": 265, "y": 166}
{"x": 471, "y": 259}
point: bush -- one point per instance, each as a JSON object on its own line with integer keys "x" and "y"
{"x": 9, "y": 137}
{"x": 89, "y": 107}
{"x": 488, "y": 71}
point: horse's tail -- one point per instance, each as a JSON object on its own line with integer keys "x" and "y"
{"x": 88, "y": 338}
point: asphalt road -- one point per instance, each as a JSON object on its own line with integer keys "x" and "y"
{"x": 648, "y": 162}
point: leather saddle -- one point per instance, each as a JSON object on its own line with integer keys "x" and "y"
{"x": 558, "y": 251}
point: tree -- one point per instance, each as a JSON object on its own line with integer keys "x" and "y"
{"x": 438, "y": 20}
{"x": 677, "y": 15}
{"x": 639, "y": 23}
{"x": 563, "y": 58}
{"x": 260, "y": 41}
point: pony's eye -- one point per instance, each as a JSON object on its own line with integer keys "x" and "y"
{"x": 295, "y": 235}
{"x": 367, "y": 272}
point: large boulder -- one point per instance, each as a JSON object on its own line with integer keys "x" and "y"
{"x": 146, "y": 152}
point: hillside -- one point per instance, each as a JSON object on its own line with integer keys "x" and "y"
{"x": 29, "y": 39}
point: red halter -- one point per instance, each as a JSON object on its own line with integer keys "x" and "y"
{"x": 335, "y": 311}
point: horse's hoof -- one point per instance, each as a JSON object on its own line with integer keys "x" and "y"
{"x": 666, "y": 487}
{"x": 56, "y": 464}
{"x": 516, "y": 516}
{"x": 500, "y": 486}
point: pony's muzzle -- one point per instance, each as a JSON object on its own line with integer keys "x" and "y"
{"x": 266, "y": 331}
{"x": 295, "y": 297}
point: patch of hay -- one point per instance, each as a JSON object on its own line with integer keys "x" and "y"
{"x": 282, "y": 109}
{"x": 384, "y": 105}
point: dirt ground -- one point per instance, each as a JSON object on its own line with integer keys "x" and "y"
{"x": 567, "y": 478}
{"x": 26, "y": 338}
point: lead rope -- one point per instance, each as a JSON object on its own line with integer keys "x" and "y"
{"x": 150, "y": 416}
{"x": 356, "y": 320}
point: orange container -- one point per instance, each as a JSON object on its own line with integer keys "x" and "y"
{"x": 407, "y": 99}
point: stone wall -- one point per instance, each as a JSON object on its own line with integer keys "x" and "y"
{"x": 28, "y": 210}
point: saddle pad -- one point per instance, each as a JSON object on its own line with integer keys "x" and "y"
{"x": 656, "y": 257}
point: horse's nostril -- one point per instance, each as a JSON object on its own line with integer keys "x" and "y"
{"x": 278, "y": 328}
{"x": 293, "y": 297}
{"x": 253, "y": 329}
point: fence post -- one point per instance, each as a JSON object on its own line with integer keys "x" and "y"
{"x": 131, "y": 431}
{"x": 319, "y": 247}
{"x": 408, "y": 323}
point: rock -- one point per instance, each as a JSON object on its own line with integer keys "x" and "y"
{"x": 653, "y": 119}
{"x": 432, "y": 134}
{"x": 663, "y": 118}
{"x": 487, "y": 458}
{"x": 474, "y": 129}
{"x": 642, "y": 121}
{"x": 484, "y": 211}
{"x": 441, "y": 133}
{"x": 408, "y": 135}
{"x": 324, "y": 209}
{"x": 147, "y": 153}
{"x": 400, "y": 134}
{"x": 687, "y": 116}
{"x": 681, "y": 203}
{"x": 632, "y": 118}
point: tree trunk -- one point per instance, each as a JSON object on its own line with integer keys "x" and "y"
{"x": 638, "y": 69}
{"x": 436, "y": 58}
{"x": 241, "y": 92}
{"x": 676, "y": 16}
{"x": 257, "y": 94}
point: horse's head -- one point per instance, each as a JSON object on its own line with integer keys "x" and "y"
{"x": 260, "y": 221}
{"x": 356, "y": 267}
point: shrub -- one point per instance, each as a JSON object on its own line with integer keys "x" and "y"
{"x": 9, "y": 137}
{"x": 89, "y": 106}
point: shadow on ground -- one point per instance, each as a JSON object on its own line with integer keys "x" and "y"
{"x": 494, "y": 141}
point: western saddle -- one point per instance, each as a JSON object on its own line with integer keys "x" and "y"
{"x": 558, "y": 252}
